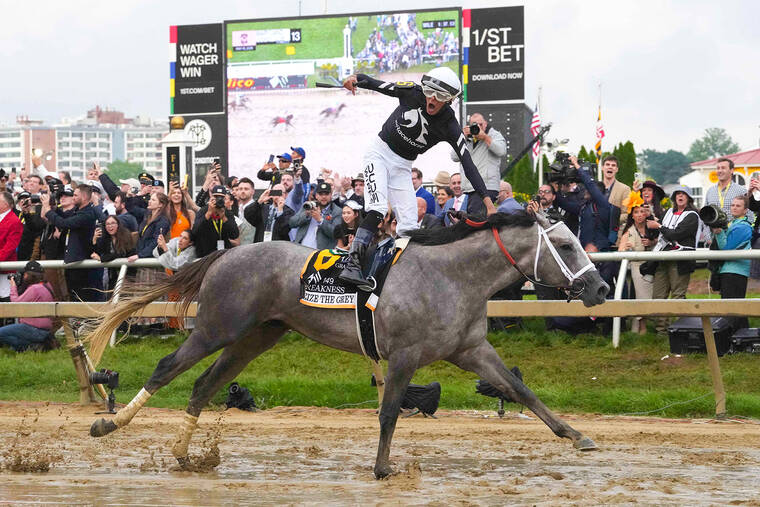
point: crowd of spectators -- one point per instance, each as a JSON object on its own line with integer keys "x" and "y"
{"x": 45, "y": 215}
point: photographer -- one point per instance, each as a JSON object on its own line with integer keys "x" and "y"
{"x": 30, "y": 332}
{"x": 270, "y": 215}
{"x": 487, "y": 147}
{"x": 214, "y": 225}
{"x": 271, "y": 173}
{"x": 213, "y": 178}
{"x": 34, "y": 225}
{"x": 738, "y": 236}
{"x": 315, "y": 222}
{"x": 80, "y": 225}
{"x": 592, "y": 209}
{"x": 679, "y": 230}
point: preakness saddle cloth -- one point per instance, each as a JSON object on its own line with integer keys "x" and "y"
{"x": 321, "y": 287}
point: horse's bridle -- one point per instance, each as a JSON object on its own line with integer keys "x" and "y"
{"x": 543, "y": 236}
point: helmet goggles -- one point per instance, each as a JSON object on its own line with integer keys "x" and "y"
{"x": 443, "y": 92}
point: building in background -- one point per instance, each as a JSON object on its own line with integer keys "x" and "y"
{"x": 704, "y": 175}
{"x": 101, "y": 136}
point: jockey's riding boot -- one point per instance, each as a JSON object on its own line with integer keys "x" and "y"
{"x": 353, "y": 272}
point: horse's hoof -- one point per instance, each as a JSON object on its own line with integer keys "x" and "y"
{"x": 381, "y": 472}
{"x": 585, "y": 444}
{"x": 183, "y": 462}
{"x": 101, "y": 427}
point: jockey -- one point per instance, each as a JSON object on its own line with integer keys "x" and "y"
{"x": 423, "y": 118}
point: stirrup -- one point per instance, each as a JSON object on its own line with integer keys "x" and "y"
{"x": 370, "y": 286}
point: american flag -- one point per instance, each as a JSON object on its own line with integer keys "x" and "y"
{"x": 535, "y": 127}
{"x": 599, "y": 135}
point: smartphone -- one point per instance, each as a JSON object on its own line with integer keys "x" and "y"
{"x": 638, "y": 177}
{"x": 271, "y": 159}
{"x": 216, "y": 161}
{"x": 275, "y": 193}
{"x": 186, "y": 176}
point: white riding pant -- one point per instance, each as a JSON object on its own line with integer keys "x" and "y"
{"x": 388, "y": 180}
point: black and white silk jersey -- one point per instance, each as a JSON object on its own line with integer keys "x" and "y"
{"x": 409, "y": 131}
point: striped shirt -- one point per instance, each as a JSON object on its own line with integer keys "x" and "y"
{"x": 723, "y": 198}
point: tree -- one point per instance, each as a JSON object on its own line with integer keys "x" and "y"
{"x": 522, "y": 178}
{"x": 627, "y": 165}
{"x": 120, "y": 170}
{"x": 714, "y": 143}
{"x": 586, "y": 155}
{"x": 664, "y": 167}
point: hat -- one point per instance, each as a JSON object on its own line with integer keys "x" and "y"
{"x": 33, "y": 267}
{"x": 23, "y": 195}
{"x": 299, "y": 150}
{"x": 145, "y": 176}
{"x": 158, "y": 183}
{"x": 324, "y": 188}
{"x": 132, "y": 182}
{"x": 442, "y": 179}
{"x": 218, "y": 189}
{"x": 359, "y": 177}
{"x": 683, "y": 189}
{"x": 659, "y": 193}
{"x": 286, "y": 157}
{"x": 353, "y": 205}
{"x": 95, "y": 188}
{"x": 68, "y": 192}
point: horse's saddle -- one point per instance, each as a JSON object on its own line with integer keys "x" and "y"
{"x": 321, "y": 286}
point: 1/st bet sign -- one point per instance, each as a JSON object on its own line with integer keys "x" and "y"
{"x": 496, "y": 68}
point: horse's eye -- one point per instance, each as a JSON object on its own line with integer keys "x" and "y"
{"x": 566, "y": 247}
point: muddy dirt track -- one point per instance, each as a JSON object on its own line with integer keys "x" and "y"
{"x": 301, "y": 455}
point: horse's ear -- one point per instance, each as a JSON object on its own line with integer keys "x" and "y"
{"x": 542, "y": 220}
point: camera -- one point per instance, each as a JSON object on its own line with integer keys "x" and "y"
{"x": 563, "y": 171}
{"x": 275, "y": 192}
{"x": 474, "y": 129}
{"x": 713, "y": 216}
{"x": 106, "y": 377}
{"x": 297, "y": 163}
{"x": 35, "y": 199}
{"x": 56, "y": 187}
{"x": 536, "y": 198}
{"x": 310, "y": 205}
{"x": 17, "y": 278}
{"x": 219, "y": 202}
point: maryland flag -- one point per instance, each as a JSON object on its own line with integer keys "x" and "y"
{"x": 599, "y": 136}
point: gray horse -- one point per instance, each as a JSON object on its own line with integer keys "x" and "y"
{"x": 433, "y": 308}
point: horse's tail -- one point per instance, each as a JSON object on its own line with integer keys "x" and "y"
{"x": 186, "y": 282}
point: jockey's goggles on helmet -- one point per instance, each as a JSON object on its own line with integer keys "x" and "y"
{"x": 433, "y": 87}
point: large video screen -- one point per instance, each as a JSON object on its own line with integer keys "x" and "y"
{"x": 273, "y": 65}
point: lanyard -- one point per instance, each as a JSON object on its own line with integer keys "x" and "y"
{"x": 218, "y": 226}
{"x": 722, "y": 196}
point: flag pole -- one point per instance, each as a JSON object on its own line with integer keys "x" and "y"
{"x": 599, "y": 141}
{"x": 540, "y": 148}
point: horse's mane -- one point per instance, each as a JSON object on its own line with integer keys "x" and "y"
{"x": 444, "y": 235}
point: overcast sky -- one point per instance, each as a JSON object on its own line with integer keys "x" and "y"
{"x": 669, "y": 69}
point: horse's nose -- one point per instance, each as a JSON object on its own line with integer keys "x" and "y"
{"x": 603, "y": 290}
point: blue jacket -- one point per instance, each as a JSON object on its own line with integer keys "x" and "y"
{"x": 147, "y": 235}
{"x": 737, "y": 237}
{"x": 80, "y": 225}
{"x": 449, "y": 205}
{"x": 429, "y": 199}
{"x": 510, "y": 206}
{"x": 593, "y": 214}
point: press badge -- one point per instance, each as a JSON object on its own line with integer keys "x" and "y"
{"x": 220, "y": 244}
{"x": 267, "y": 235}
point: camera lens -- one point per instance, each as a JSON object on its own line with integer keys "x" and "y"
{"x": 474, "y": 129}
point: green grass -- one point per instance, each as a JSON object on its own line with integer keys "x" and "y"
{"x": 570, "y": 374}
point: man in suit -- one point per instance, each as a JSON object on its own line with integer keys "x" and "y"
{"x": 421, "y": 192}
{"x": 270, "y": 215}
{"x": 614, "y": 190}
{"x": 424, "y": 219}
{"x": 78, "y": 241}
{"x": 11, "y": 230}
{"x": 458, "y": 202}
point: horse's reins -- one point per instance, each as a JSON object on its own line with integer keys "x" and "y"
{"x": 542, "y": 236}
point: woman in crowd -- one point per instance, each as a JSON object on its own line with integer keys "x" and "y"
{"x": 652, "y": 194}
{"x": 345, "y": 231}
{"x": 180, "y": 216}
{"x": 156, "y": 223}
{"x": 112, "y": 241}
{"x": 442, "y": 195}
{"x": 635, "y": 237}
{"x": 734, "y": 273}
{"x": 679, "y": 230}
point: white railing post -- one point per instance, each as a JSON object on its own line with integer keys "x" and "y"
{"x": 619, "y": 284}
{"x": 115, "y": 297}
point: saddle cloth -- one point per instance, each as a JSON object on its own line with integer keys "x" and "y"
{"x": 321, "y": 287}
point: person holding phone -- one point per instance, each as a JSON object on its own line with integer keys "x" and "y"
{"x": 270, "y": 172}
{"x": 270, "y": 215}
{"x": 112, "y": 240}
{"x": 214, "y": 225}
